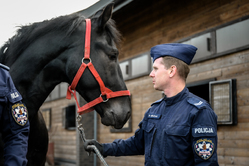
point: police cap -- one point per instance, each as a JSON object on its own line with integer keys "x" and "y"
{"x": 184, "y": 52}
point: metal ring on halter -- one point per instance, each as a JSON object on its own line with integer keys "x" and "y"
{"x": 103, "y": 99}
{"x": 78, "y": 118}
{"x": 82, "y": 61}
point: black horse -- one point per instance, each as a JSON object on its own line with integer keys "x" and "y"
{"x": 42, "y": 55}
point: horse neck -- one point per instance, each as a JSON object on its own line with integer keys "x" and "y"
{"x": 35, "y": 76}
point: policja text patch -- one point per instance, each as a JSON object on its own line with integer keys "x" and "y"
{"x": 20, "y": 113}
{"x": 204, "y": 130}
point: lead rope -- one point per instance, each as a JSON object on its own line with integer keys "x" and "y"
{"x": 83, "y": 137}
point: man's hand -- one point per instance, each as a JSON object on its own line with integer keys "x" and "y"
{"x": 93, "y": 142}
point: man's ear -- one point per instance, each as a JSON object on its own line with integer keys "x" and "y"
{"x": 172, "y": 70}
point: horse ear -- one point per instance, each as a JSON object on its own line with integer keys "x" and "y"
{"x": 105, "y": 16}
{"x": 98, "y": 13}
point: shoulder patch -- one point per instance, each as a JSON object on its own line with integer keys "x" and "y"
{"x": 196, "y": 102}
{"x": 204, "y": 148}
{"x": 4, "y": 67}
{"x": 20, "y": 113}
{"x": 14, "y": 96}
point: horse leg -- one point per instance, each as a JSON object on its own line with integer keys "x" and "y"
{"x": 38, "y": 141}
{"x": 1, "y": 150}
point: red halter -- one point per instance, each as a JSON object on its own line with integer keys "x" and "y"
{"x": 104, "y": 90}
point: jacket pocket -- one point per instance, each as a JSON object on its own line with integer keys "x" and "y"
{"x": 149, "y": 133}
{"x": 176, "y": 142}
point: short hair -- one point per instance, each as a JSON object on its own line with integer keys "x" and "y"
{"x": 182, "y": 68}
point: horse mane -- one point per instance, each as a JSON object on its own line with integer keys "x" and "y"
{"x": 29, "y": 33}
{"x": 113, "y": 31}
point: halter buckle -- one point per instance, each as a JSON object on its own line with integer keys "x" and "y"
{"x": 104, "y": 101}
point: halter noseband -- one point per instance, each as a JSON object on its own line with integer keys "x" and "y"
{"x": 104, "y": 90}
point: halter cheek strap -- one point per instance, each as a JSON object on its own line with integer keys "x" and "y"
{"x": 104, "y": 90}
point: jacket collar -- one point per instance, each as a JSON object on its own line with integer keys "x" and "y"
{"x": 172, "y": 100}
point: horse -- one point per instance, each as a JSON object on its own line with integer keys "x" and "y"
{"x": 44, "y": 54}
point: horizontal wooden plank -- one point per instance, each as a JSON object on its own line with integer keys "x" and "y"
{"x": 243, "y": 97}
{"x": 242, "y": 81}
{"x": 233, "y": 9}
{"x": 221, "y": 62}
{"x": 64, "y": 148}
{"x": 232, "y": 160}
{"x": 241, "y": 126}
{"x": 65, "y": 156}
{"x": 126, "y": 160}
{"x": 235, "y": 70}
{"x": 243, "y": 115}
{"x": 236, "y": 152}
{"x": 64, "y": 137}
{"x": 204, "y": 76}
{"x": 236, "y": 144}
{"x": 236, "y": 135}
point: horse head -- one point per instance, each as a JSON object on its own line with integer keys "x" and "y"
{"x": 104, "y": 58}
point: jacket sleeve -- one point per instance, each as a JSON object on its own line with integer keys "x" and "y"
{"x": 131, "y": 146}
{"x": 204, "y": 136}
{"x": 15, "y": 126}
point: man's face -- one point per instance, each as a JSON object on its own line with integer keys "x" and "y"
{"x": 159, "y": 75}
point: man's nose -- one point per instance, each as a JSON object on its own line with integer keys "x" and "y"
{"x": 151, "y": 74}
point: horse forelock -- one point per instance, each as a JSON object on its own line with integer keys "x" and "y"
{"x": 113, "y": 31}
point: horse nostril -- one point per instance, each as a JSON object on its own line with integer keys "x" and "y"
{"x": 128, "y": 115}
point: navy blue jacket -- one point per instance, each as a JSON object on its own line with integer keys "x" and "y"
{"x": 14, "y": 124}
{"x": 176, "y": 131}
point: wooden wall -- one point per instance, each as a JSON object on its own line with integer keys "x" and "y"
{"x": 145, "y": 23}
{"x": 64, "y": 140}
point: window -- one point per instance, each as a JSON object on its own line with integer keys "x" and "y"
{"x": 232, "y": 36}
{"x": 136, "y": 67}
{"x": 124, "y": 68}
{"x": 59, "y": 91}
{"x": 69, "y": 117}
{"x": 203, "y": 43}
{"x": 200, "y": 88}
{"x": 223, "y": 100}
{"x": 225, "y": 39}
{"x": 140, "y": 65}
{"x": 222, "y": 97}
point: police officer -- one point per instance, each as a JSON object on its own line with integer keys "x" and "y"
{"x": 14, "y": 125}
{"x": 178, "y": 130}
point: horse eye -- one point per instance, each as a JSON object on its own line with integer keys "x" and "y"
{"x": 112, "y": 57}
